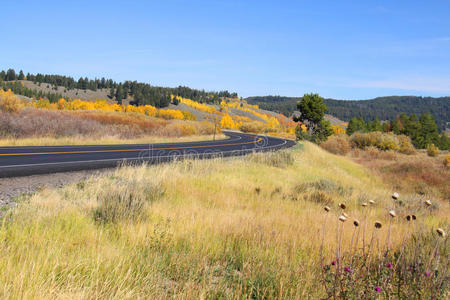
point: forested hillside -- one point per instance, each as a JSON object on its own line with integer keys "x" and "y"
{"x": 139, "y": 93}
{"x": 383, "y": 108}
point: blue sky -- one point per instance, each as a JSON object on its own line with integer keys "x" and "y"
{"x": 340, "y": 49}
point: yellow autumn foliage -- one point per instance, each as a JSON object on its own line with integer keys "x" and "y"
{"x": 337, "y": 129}
{"x": 10, "y": 102}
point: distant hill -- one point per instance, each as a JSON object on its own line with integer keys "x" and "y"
{"x": 385, "y": 108}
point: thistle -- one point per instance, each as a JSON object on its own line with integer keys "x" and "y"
{"x": 342, "y": 205}
{"x": 428, "y": 203}
{"x": 364, "y": 204}
{"x": 395, "y": 196}
{"x": 327, "y": 208}
{"x": 356, "y": 223}
{"x": 342, "y": 218}
{"x": 392, "y": 213}
{"x": 371, "y": 202}
{"x": 378, "y": 224}
{"x": 441, "y": 232}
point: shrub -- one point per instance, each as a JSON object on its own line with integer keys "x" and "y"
{"x": 432, "y": 150}
{"x": 406, "y": 146}
{"x": 279, "y": 159}
{"x": 337, "y": 145}
{"x": 447, "y": 160}
{"x": 9, "y": 102}
{"x": 383, "y": 141}
{"x": 254, "y": 127}
{"x": 125, "y": 201}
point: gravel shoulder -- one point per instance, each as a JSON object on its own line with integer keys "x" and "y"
{"x": 11, "y": 188}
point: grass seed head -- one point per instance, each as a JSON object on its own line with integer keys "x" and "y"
{"x": 428, "y": 203}
{"x": 327, "y": 208}
{"x": 371, "y": 202}
{"x": 378, "y": 224}
{"x": 395, "y": 196}
{"x": 364, "y": 204}
{"x": 441, "y": 232}
{"x": 345, "y": 215}
{"x": 392, "y": 213}
{"x": 342, "y": 219}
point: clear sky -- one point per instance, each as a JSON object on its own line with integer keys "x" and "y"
{"x": 340, "y": 49}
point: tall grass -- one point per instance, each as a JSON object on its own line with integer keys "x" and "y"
{"x": 225, "y": 228}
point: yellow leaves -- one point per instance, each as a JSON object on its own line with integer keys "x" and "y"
{"x": 337, "y": 129}
{"x": 273, "y": 123}
{"x": 169, "y": 114}
{"x": 10, "y": 102}
{"x": 199, "y": 106}
{"x": 228, "y": 122}
{"x": 61, "y": 103}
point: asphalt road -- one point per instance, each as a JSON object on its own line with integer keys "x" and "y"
{"x": 24, "y": 161}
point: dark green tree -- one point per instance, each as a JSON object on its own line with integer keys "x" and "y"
{"x": 412, "y": 128}
{"x": 312, "y": 112}
{"x": 356, "y": 125}
{"x": 444, "y": 142}
{"x": 10, "y": 75}
{"x": 21, "y": 75}
{"x": 428, "y": 133}
{"x": 375, "y": 125}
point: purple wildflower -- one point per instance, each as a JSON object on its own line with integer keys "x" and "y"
{"x": 348, "y": 269}
{"x": 378, "y": 289}
{"x": 333, "y": 263}
{"x": 389, "y": 265}
{"x": 427, "y": 274}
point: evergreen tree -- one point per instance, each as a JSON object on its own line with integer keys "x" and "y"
{"x": 10, "y": 75}
{"x": 312, "y": 112}
{"x": 21, "y": 75}
{"x": 356, "y": 125}
{"x": 386, "y": 126}
{"x": 375, "y": 125}
{"x": 412, "y": 128}
{"x": 428, "y": 133}
{"x": 444, "y": 142}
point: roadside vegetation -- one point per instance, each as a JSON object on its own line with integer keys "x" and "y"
{"x": 252, "y": 227}
{"x": 75, "y": 121}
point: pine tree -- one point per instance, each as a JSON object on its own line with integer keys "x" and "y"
{"x": 356, "y": 125}
{"x": 444, "y": 142}
{"x": 412, "y": 128}
{"x": 429, "y": 133}
{"x": 10, "y": 75}
{"x": 21, "y": 75}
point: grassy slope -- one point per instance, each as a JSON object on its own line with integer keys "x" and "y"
{"x": 211, "y": 233}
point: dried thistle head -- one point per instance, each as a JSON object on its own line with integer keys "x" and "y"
{"x": 392, "y": 213}
{"x": 371, "y": 202}
{"x": 345, "y": 215}
{"x": 441, "y": 232}
{"x": 342, "y": 205}
{"x": 408, "y": 218}
{"x": 413, "y": 217}
{"x": 378, "y": 224}
{"x": 327, "y": 208}
{"x": 342, "y": 219}
{"x": 356, "y": 223}
{"x": 428, "y": 203}
{"x": 395, "y": 196}
{"x": 364, "y": 204}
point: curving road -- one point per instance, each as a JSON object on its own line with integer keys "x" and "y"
{"x": 24, "y": 161}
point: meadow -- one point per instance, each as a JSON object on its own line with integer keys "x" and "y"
{"x": 273, "y": 225}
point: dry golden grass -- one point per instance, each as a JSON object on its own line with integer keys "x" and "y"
{"x": 50, "y": 141}
{"x": 226, "y": 228}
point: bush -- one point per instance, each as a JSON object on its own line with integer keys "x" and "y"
{"x": 125, "y": 201}
{"x": 279, "y": 159}
{"x": 253, "y": 127}
{"x": 337, "y": 145}
{"x": 447, "y": 160}
{"x": 382, "y": 141}
{"x": 432, "y": 150}
{"x": 9, "y": 102}
{"x": 406, "y": 146}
